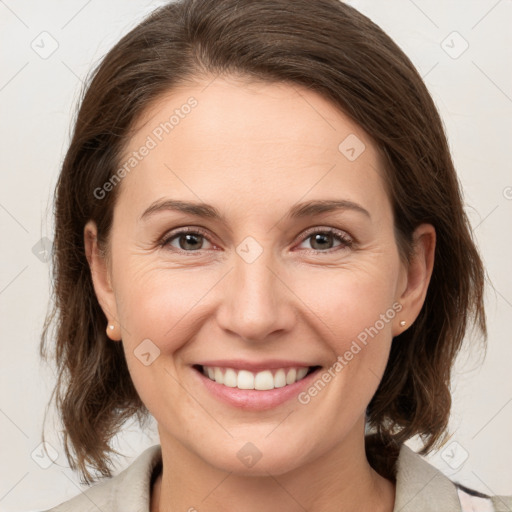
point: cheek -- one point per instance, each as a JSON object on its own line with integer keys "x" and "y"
{"x": 349, "y": 300}
{"x": 158, "y": 310}
{"x": 160, "y": 304}
{"x": 354, "y": 311}
{"x": 354, "y": 314}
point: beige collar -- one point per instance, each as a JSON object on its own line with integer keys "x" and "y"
{"x": 420, "y": 487}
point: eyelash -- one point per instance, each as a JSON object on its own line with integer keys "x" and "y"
{"x": 345, "y": 241}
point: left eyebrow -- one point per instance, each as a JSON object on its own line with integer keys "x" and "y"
{"x": 317, "y": 207}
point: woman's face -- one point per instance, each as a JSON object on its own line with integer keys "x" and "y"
{"x": 270, "y": 280}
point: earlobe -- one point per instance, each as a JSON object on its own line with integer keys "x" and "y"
{"x": 418, "y": 274}
{"x": 101, "y": 280}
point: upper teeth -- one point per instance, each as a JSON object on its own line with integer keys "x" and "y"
{"x": 243, "y": 379}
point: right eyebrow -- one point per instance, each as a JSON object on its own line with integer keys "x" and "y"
{"x": 197, "y": 209}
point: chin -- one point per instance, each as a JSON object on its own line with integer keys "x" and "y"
{"x": 261, "y": 468}
{"x": 247, "y": 459}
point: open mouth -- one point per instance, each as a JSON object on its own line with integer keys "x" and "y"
{"x": 263, "y": 380}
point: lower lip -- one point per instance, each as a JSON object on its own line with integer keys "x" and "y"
{"x": 253, "y": 399}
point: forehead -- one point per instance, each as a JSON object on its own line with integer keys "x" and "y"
{"x": 230, "y": 138}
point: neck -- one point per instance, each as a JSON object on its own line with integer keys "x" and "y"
{"x": 341, "y": 480}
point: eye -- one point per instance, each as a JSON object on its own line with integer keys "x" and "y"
{"x": 186, "y": 240}
{"x": 322, "y": 240}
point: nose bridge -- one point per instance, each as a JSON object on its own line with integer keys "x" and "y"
{"x": 256, "y": 303}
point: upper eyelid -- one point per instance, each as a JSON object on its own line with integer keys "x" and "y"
{"x": 322, "y": 229}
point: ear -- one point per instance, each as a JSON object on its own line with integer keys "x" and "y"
{"x": 417, "y": 276}
{"x": 101, "y": 280}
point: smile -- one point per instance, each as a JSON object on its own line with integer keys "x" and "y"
{"x": 262, "y": 380}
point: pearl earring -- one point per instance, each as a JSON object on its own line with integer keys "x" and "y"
{"x": 112, "y": 332}
{"x": 402, "y": 323}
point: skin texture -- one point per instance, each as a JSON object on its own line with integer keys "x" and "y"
{"x": 254, "y": 150}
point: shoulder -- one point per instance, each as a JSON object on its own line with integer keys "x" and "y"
{"x": 129, "y": 490}
{"x": 420, "y": 487}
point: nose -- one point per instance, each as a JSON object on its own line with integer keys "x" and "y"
{"x": 257, "y": 301}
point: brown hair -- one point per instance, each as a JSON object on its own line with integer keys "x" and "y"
{"x": 332, "y": 49}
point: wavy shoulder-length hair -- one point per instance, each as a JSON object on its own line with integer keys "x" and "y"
{"x": 332, "y": 49}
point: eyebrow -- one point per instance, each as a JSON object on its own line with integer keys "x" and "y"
{"x": 301, "y": 210}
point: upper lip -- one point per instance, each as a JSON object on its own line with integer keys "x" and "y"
{"x": 255, "y": 366}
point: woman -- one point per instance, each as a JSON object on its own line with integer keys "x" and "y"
{"x": 260, "y": 241}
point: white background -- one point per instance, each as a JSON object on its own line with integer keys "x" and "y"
{"x": 37, "y": 98}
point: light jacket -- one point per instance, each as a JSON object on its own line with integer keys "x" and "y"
{"x": 420, "y": 487}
